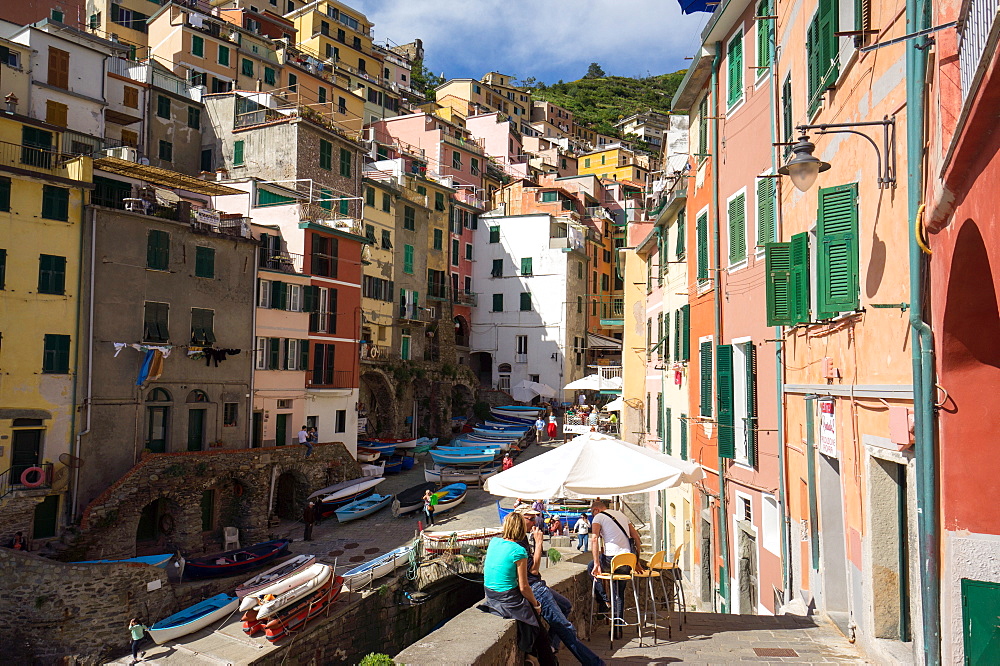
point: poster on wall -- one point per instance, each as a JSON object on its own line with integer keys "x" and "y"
{"x": 362, "y": 424}
{"x": 827, "y": 429}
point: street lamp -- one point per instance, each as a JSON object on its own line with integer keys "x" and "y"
{"x": 803, "y": 167}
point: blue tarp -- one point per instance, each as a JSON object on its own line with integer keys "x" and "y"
{"x": 692, "y": 6}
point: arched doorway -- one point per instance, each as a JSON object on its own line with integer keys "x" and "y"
{"x": 461, "y": 331}
{"x": 290, "y": 496}
{"x": 157, "y": 524}
{"x": 379, "y": 404}
{"x": 482, "y": 365}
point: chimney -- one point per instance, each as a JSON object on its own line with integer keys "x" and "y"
{"x": 10, "y": 102}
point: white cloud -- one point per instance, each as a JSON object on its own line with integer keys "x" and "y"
{"x": 547, "y": 40}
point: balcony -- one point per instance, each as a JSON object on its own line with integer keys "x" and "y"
{"x": 438, "y": 291}
{"x": 372, "y": 353}
{"x": 338, "y": 379}
{"x": 416, "y": 314}
{"x": 463, "y": 297}
{"x": 210, "y": 221}
{"x": 472, "y": 145}
{"x": 974, "y": 27}
{"x": 281, "y": 261}
{"x": 611, "y": 310}
{"x": 671, "y": 198}
{"x": 32, "y": 158}
{"x": 10, "y": 480}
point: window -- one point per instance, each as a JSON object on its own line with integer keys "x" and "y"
{"x": 56, "y": 113}
{"x": 765, "y": 33}
{"x": 705, "y": 369}
{"x": 325, "y": 155}
{"x": 197, "y": 46}
{"x": 369, "y": 196}
{"x": 438, "y": 201}
{"x": 163, "y": 106}
{"x": 292, "y": 354}
{"x": 408, "y": 259}
{"x": 703, "y": 128}
{"x": 521, "y": 345}
{"x": 197, "y": 78}
{"x": 386, "y": 240}
{"x": 230, "y": 414}
{"x": 494, "y": 234}
{"x": 438, "y": 239}
{"x": 837, "y": 269}
{"x": 737, "y": 229}
{"x": 321, "y": 97}
{"x": 55, "y": 355}
{"x": 3, "y": 268}
{"x": 269, "y": 76}
{"x": 766, "y": 218}
{"x": 154, "y": 322}
{"x": 220, "y": 85}
{"x": 340, "y": 423}
{"x": 822, "y": 63}
{"x": 4, "y": 193}
{"x": 586, "y": 163}
{"x": 734, "y": 70}
{"x": 525, "y": 301}
{"x": 497, "y": 270}
{"x": 456, "y": 160}
{"x": 682, "y": 333}
{"x": 787, "y": 124}
{"x": 246, "y": 67}
{"x": 51, "y": 274}
{"x": 343, "y": 205}
{"x": 421, "y": 190}
{"x": 204, "y": 262}
{"x": 293, "y": 85}
{"x": 166, "y": 152}
{"x": 324, "y": 256}
{"x": 386, "y": 203}
{"x": 409, "y": 218}
{"x": 55, "y": 203}
{"x": 468, "y": 251}
{"x": 58, "y": 74}
{"x": 497, "y": 303}
{"x": 130, "y": 138}
{"x": 474, "y": 166}
{"x": 238, "y": 147}
{"x": 579, "y": 270}
{"x": 194, "y": 117}
{"x": 325, "y": 198}
{"x": 702, "y": 233}
{"x": 224, "y": 55}
{"x": 526, "y": 266}
{"x": 345, "y": 163}
{"x": 323, "y": 364}
{"x": 157, "y": 250}
{"x": 202, "y": 326}
{"x": 263, "y": 293}
{"x": 549, "y": 197}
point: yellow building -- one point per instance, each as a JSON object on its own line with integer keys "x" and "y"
{"x": 615, "y": 162}
{"x": 41, "y": 203}
{"x": 495, "y": 92}
{"x": 377, "y": 288}
{"x": 124, "y": 21}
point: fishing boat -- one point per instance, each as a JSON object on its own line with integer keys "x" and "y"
{"x": 296, "y": 617}
{"x": 506, "y": 424}
{"x": 362, "y": 507}
{"x": 368, "y": 455}
{"x": 158, "y": 561}
{"x": 462, "y": 454}
{"x": 193, "y": 618}
{"x": 373, "y": 470}
{"x": 402, "y": 443}
{"x": 363, "y": 574}
{"x": 411, "y": 499}
{"x": 233, "y": 562}
{"x": 344, "y": 493}
{"x": 267, "y": 578}
{"x": 518, "y": 411}
{"x": 451, "y": 541}
{"x": 466, "y": 474}
{"x": 318, "y": 576}
{"x": 499, "y": 434}
{"x": 449, "y": 497}
{"x": 394, "y": 465}
{"x": 385, "y": 448}
{"x": 279, "y": 587}
{"x": 515, "y": 420}
{"x": 475, "y": 443}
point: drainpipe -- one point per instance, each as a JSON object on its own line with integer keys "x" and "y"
{"x": 717, "y": 302}
{"x": 75, "y": 437}
{"x": 918, "y": 18}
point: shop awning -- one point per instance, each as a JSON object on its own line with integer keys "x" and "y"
{"x": 163, "y": 177}
{"x": 595, "y": 341}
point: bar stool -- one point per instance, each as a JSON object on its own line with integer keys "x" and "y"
{"x": 618, "y": 620}
{"x": 672, "y": 572}
{"x": 652, "y": 570}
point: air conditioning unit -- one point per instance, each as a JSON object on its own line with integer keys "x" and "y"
{"x": 127, "y": 153}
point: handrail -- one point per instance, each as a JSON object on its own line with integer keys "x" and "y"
{"x": 10, "y": 479}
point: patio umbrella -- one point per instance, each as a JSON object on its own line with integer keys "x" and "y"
{"x": 522, "y": 394}
{"x": 594, "y": 465}
{"x": 531, "y": 389}
{"x": 594, "y": 383}
{"x": 616, "y": 405}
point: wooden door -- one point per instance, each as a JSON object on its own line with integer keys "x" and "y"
{"x": 25, "y": 451}
{"x": 196, "y": 429}
{"x": 981, "y": 621}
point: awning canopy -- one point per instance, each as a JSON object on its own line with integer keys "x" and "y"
{"x": 595, "y": 341}
{"x": 692, "y": 6}
{"x": 163, "y": 177}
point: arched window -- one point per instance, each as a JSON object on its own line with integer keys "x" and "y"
{"x": 197, "y": 395}
{"x": 504, "y": 368}
{"x": 158, "y": 395}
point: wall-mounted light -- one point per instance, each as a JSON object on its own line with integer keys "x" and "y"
{"x": 803, "y": 167}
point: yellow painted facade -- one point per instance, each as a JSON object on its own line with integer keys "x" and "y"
{"x": 380, "y": 223}
{"x": 616, "y": 163}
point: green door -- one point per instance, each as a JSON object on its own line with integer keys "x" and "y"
{"x": 258, "y": 429}
{"x": 156, "y": 438}
{"x": 25, "y": 449}
{"x": 281, "y": 429}
{"x": 46, "y": 514}
{"x": 981, "y": 621}
{"x": 196, "y": 429}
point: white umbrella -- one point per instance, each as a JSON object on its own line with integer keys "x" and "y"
{"x": 535, "y": 388}
{"x": 594, "y": 465}
{"x": 616, "y": 405}
{"x": 594, "y": 383}
{"x": 522, "y": 394}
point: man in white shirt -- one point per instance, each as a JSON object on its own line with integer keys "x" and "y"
{"x": 612, "y": 529}
{"x": 304, "y": 441}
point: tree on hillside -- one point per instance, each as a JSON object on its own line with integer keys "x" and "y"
{"x": 424, "y": 81}
{"x": 594, "y": 72}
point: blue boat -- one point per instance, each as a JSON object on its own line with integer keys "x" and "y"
{"x": 568, "y": 518}
{"x": 449, "y": 497}
{"x": 498, "y": 434}
{"x": 514, "y": 420}
{"x": 462, "y": 454}
{"x": 393, "y": 465}
{"x": 158, "y": 561}
{"x": 363, "y": 574}
{"x": 385, "y": 448}
{"x": 193, "y": 618}
{"x": 363, "y": 507}
{"x": 237, "y": 561}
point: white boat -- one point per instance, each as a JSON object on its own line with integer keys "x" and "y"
{"x": 382, "y": 565}
{"x": 346, "y": 489}
{"x": 280, "y": 586}
{"x": 448, "y": 474}
{"x": 320, "y": 574}
{"x": 451, "y": 541}
{"x": 193, "y": 618}
{"x": 274, "y": 574}
{"x": 373, "y": 470}
{"x": 367, "y": 455}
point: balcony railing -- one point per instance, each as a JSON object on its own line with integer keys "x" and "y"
{"x": 372, "y": 353}
{"x": 340, "y": 379}
{"x": 34, "y": 158}
{"x": 611, "y": 307}
{"x": 438, "y": 290}
{"x": 975, "y": 26}
{"x": 10, "y": 480}
{"x": 472, "y": 145}
{"x": 280, "y": 260}
{"x": 416, "y": 313}
{"x": 463, "y": 297}
{"x": 206, "y": 221}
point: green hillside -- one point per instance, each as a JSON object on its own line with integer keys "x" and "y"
{"x": 600, "y": 102}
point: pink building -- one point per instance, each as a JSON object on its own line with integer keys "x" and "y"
{"x": 452, "y": 154}
{"x": 501, "y": 141}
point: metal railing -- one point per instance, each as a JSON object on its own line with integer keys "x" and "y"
{"x": 372, "y": 353}
{"x": 472, "y": 145}
{"x": 227, "y": 226}
{"x": 412, "y": 312}
{"x": 10, "y": 480}
{"x": 610, "y": 307}
{"x": 35, "y": 158}
{"x": 975, "y": 26}
{"x": 280, "y": 260}
{"x": 463, "y": 297}
{"x": 338, "y": 379}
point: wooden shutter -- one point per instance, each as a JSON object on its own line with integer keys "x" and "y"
{"x": 204, "y": 262}
{"x": 724, "y": 392}
{"x": 777, "y": 288}
{"x": 303, "y": 354}
{"x": 494, "y": 234}
{"x": 158, "y": 250}
{"x": 286, "y": 347}
{"x": 684, "y": 437}
{"x": 408, "y": 259}
{"x": 310, "y": 298}
{"x": 734, "y": 70}
{"x": 273, "y": 353}
{"x": 51, "y": 274}
{"x": 787, "y": 124}
{"x": 737, "y": 230}
{"x": 766, "y": 222}
{"x": 763, "y": 35}
{"x": 813, "y": 57}
{"x": 325, "y": 155}
{"x": 58, "y": 74}
{"x": 659, "y": 417}
{"x": 665, "y": 342}
{"x": 332, "y": 309}
{"x": 681, "y": 248}
{"x": 829, "y": 22}
{"x": 677, "y": 335}
{"x": 56, "y": 354}
{"x": 752, "y": 425}
{"x": 799, "y": 293}
{"x": 702, "y": 229}
{"x": 705, "y": 369}
{"x": 686, "y": 333}
{"x": 526, "y": 266}
{"x": 345, "y": 163}
{"x": 276, "y": 295}
{"x": 668, "y": 435}
{"x": 837, "y": 251}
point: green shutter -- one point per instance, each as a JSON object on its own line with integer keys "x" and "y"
{"x": 778, "y": 285}
{"x": 55, "y": 203}
{"x": 497, "y": 302}
{"x": 829, "y": 23}
{"x": 303, "y": 354}
{"x": 325, "y": 198}
{"x": 269, "y": 76}
{"x": 325, "y": 155}
{"x": 224, "y": 55}
{"x": 734, "y": 71}
{"x": 204, "y": 262}
{"x": 163, "y": 106}
{"x": 51, "y": 274}
{"x": 668, "y": 433}
{"x": 837, "y": 251}
{"x": 799, "y": 293}
{"x": 705, "y": 370}
{"x": 686, "y": 333}
{"x": 703, "y": 128}
{"x": 649, "y": 410}
{"x": 345, "y": 163}
{"x": 526, "y": 266}
{"x": 763, "y": 35}
{"x": 659, "y": 417}
{"x": 525, "y": 301}
{"x": 408, "y": 259}
{"x": 287, "y": 361}
{"x": 702, "y": 230}
{"x": 238, "y": 153}
{"x": 273, "y": 353}
{"x": 494, "y": 234}
{"x": 310, "y": 298}
{"x": 158, "y": 250}
{"x": 197, "y": 46}
{"x": 737, "y": 230}
{"x": 752, "y": 424}
{"x": 684, "y": 437}
{"x": 369, "y": 196}
{"x": 344, "y": 206}
{"x": 438, "y": 239}
{"x": 4, "y": 194}
{"x": 247, "y": 67}
{"x": 766, "y": 220}
{"x": 677, "y": 335}
{"x": 680, "y": 249}
{"x": 724, "y": 391}
{"x": 55, "y": 355}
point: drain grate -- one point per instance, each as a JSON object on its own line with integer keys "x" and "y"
{"x": 775, "y": 652}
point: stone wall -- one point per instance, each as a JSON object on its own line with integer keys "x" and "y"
{"x": 79, "y": 613}
{"x": 477, "y": 638}
{"x": 246, "y": 490}
{"x": 17, "y": 513}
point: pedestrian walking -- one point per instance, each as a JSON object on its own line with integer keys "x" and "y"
{"x": 582, "y": 530}
{"x": 429, "y": 507}
{"x": 540, "y": 425}
{"x": 553, "y": 429}
{"x": 309, "y": 518}
{"x": 304, "y": 440}
{"x": 138, "y": 634}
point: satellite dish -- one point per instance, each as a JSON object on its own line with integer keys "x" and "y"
{"x": 165, "y": 197}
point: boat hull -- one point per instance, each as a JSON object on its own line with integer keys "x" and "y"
{"x": 275, "y": 574}
{"x": 448, "y": 474}
{"x": 362, "y": 575}
{"x": 453, "y": 458}
{"x": 362, "y": 508}
{"x": 297, "y": 619}
{"x": 235, "y": 562}
{"x": 215, "y": 608}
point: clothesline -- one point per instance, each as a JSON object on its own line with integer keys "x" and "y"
{"x": 152, "y": 362}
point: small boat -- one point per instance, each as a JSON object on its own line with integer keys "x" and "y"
{"x": 368, "y": 455}
{"x": 385, "y": 448}
{"x": 158, "y": 561}
{"x": 233, "y": 562}
{"x": 344, "y": 493}
{"x": 451, "y": 541}
{"x": 373, "y": 470}
{"x": 499, "y": 434}
{"x": 394, "y": 465}
{"x": 402, "y": 443}
{"x": 411, "y": 499}
{"x": 449, "y": 474}
{"x": 362, "y": 507}
{"x": 281, "y": 586}
{"x": 319, "y": 574}
{"x": 518, "y": 412}
{"x": 363, "y": 574}
{"x": 567, "y": 518}
{"x": 449, "y": 497}
{"x": 274, "y": 574}
{"x": 504, "y": 427}
{"x": 515, "y": 420}
{"x": 463, "y": 454}
{"x": 193, "y": 618}
{"x": 296, "y": 617}
{"x": 462, "y": 442}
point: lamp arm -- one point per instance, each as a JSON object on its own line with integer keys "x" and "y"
{"x": 886, "y": 177}
{"x": 882, "y": 180}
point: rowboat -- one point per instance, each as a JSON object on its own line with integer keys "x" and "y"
{"x": 319, "y": 574}
{"x": 377, "y": 442}
{"x": 411, "y": 499}
{"x": 237, "y": 561}
{"x": 452, "y": 541}
{"x": 505, "y": 424}
{"x": 274, "y": 574}
{"x": 295, "y": 618}
{"x": 515, "y": 420}
{"x": 479, "y": 444}
{"x": 158, "y": 561}
{"x": 362, "y": 507}
{"x": 279, "y": 587}
{"x": 518, "y": 411}
{"x": 385, "y": 448}
{"x": 363, "y": 574}
{"x": 193, "y": 618}
{"x": 449, "y": 497}
{"x": 462, "y": 454}
{"x": 368, "y": 455}
{"x": 504, "y": 427}
{"x": 394, "y": 465}
{"x": 448, "y": 473}
{"x": 499, "y": 434}
{"x": 345, "y": 493}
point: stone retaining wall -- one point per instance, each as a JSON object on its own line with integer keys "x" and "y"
{"x": 476, "y": 638}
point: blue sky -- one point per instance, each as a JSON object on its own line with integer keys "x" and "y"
{"x": 546, "y": 39}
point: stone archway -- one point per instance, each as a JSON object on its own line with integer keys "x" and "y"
{"x": 157, "y": 526}
{"x": 380, "y": 406}
{"x": 291, "y": 490}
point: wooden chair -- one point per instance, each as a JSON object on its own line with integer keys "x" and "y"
{"x": 618, "y": 614}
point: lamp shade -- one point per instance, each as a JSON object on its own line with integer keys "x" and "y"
{"x": 803, "y": 167}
